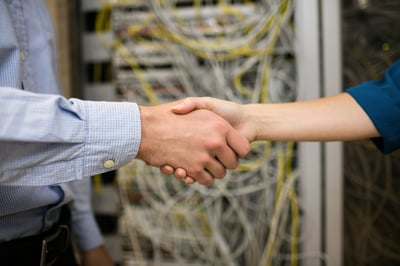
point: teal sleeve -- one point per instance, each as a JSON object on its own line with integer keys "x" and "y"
{"x": 381, "y": 101}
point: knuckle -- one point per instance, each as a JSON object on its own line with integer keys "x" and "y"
{"x": 196, "y": 171}
{"x": 214, "y": 144}
{"x": 204, "y": 159}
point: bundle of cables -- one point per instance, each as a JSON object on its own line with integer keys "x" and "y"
{"x": 235, "y": 50}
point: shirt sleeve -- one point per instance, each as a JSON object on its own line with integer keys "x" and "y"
{"x": 381, "y": 101}
{"x": 84, "y": 226}
{"x": 46, "y": 139}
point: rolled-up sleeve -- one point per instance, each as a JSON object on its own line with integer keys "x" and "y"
{"x": 381, "y": 102}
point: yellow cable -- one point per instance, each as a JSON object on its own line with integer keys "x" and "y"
{"x": 220, "y": 50}
{"x": 125, "y": 54}
{"x": 97, "y": 183}
{"x": 294, "y": 208}
{"x": 128, "y": 57}
{"x": 264, "y": 83}
{"x": 233, "y": 52}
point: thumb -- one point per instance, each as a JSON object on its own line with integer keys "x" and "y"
{"x": 189, "y": 104}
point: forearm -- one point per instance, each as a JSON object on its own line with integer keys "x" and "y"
{"x": 336, "y": 118}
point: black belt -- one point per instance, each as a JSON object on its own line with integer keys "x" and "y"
{"x": 42, "y": 249}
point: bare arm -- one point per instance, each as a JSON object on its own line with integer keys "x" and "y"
{"x": 335, "y": 118}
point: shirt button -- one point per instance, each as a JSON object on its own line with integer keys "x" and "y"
{"x": 109, "y": 164}
{"x": 22, "y": 56}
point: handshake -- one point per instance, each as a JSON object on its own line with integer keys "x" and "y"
{"x": 196, "y": 139}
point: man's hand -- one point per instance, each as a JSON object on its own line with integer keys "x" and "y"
{"x": 201, "y": 142}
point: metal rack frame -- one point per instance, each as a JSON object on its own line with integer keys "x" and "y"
{"x": 321, "y": 166}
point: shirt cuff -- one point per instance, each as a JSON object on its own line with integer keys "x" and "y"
{"x": 113, "y": 135}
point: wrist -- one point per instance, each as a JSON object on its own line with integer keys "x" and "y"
{"x": 145, "y": 118}
{"x": 250, "y": 123}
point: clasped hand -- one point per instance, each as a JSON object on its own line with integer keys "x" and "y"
{"x": 200, "y": 144}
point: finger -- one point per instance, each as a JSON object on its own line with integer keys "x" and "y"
{"x": 226, "y": 155}
{"x": 180, "y": 173}
{"x": 203, "y": 177}
{"x": 228, "y": 158}
{"x": 189, "y": 180}
{"x": 190, "y": 104}
{"x": 167, "y": 169}
{"x": 216, "y": 169}
{"x": 238, "y": 143}
{"x": 184, "y": 107}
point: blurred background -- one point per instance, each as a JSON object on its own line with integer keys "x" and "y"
{"x": 287, "y": 203}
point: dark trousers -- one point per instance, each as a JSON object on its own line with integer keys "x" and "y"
{"x": 52, "y": 247}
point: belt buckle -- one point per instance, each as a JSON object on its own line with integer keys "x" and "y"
{"x": 49, "y": 239}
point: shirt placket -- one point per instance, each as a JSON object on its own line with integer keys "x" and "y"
{"x": 17, "y": 17}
